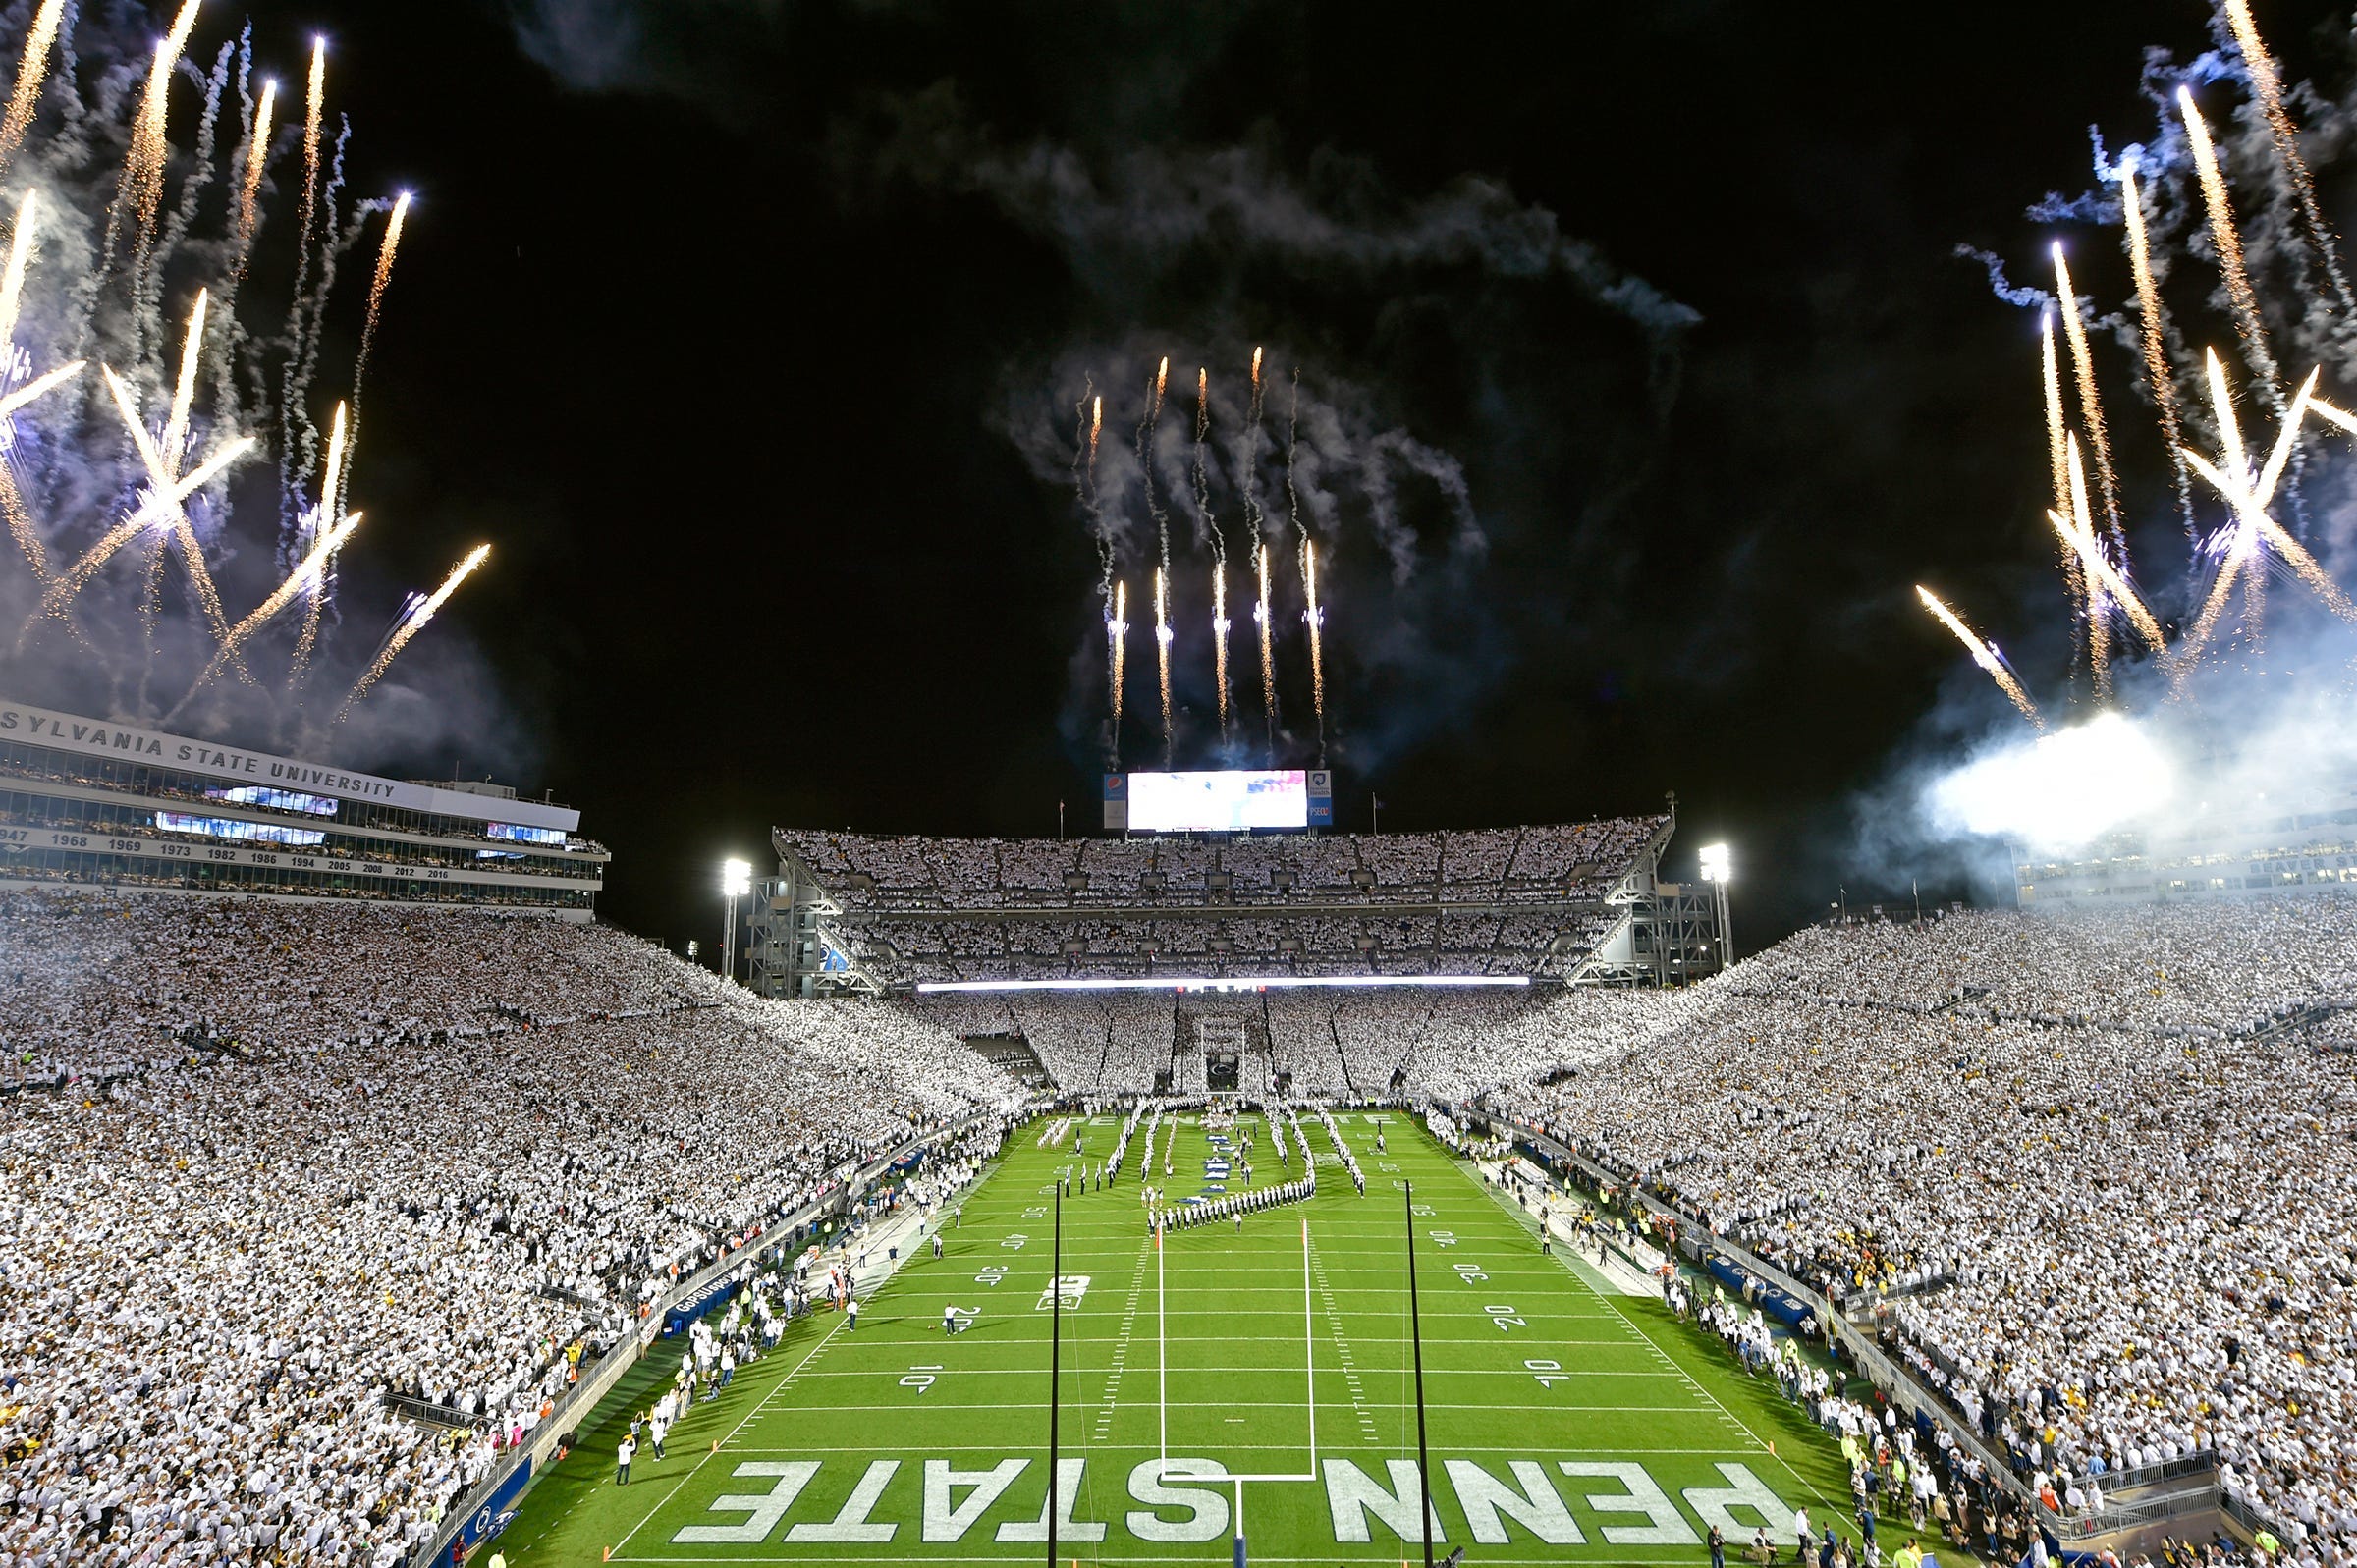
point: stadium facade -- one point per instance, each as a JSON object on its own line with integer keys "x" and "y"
{"x": 87, "y": 802}
{"x": 1580, "y": 903}
{"x": 2295, "y": 843}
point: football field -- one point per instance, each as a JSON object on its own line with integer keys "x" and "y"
{"x": 1564, "y": 1423}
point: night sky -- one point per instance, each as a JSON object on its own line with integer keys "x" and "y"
{"x": 714, "y": 319}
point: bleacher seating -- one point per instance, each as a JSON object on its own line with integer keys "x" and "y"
{"x": 1513, "y": 900}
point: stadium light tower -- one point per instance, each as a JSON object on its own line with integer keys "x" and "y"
{"x": 1716, "y": 872}
{"x": 736, "y": 881}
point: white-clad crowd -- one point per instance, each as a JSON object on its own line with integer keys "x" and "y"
{"x": 2103, "y": 1164}
{"x": 1326, "y": 1042}
{"x": 270, "y": 1162}
{"x": 2097, "y": 1170}
{"x": 922, "y": 908}
{"x": 216, "y": 1268}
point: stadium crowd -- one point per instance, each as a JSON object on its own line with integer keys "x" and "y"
{"x": 2093, "y": 1171}
{"x": 271, "y": 1164}
{"x": 434, "y": 1156}
{"x": 929, "y": 909}
{"x": 911, "y": 872}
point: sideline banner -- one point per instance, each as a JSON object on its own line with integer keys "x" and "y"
{"x": 491, "y": 1512}
{"x": 1778, "y": 1304}
{"x": 688, "y": 1309}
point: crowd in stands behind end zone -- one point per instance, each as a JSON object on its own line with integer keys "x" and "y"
{"x": 914, "y": 872}
{"x": 2093, "y": 1173}
{"x": 1495, "y": 901}
{"x": 218, "y": 1264}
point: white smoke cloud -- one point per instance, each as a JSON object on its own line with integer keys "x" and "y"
{"x": 2061, "y": 790}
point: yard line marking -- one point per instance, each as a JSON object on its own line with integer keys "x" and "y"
{"x": 740, "y": 1426}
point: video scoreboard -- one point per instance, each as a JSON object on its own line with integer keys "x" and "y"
{"x": 1227, "y": 800}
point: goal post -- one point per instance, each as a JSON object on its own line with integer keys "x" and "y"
{"x": 1164, "y": 1470}
{"x": 1162, "y": 1358}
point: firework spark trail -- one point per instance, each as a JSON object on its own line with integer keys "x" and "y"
{"x": 2091, "y": 406}
{"x": 1084, "y": 468}
{"x": 1293, "y": 445}
{"x": 35, "y": 389}
{"x": 2267, "y": 85}
{"x": 2157, "y": 372}
{"x": 2098, "y": 608}
{"x": 2052, "y": 367}
{"x": 2205, "y": 625}
{"x": 1219, "y": 634}
{"x": 1149, "y": 428}
{"x": 2091, "y": 553}
{"x": 183, "y": 390}
{"x": 1984, "y": 656}
{"x": 376, "y": 298}
{"x": 296, "y": 581}
{"x": 21, "y": 528}
{"x": 1085, "y": 478}
{"x": 32, "y": 69}
{"x": 1162, "y": 654}
{"x": 1096, "y": 509}
{"x": 306, "y": 211}
{"x": 1253, "y": 517}
{"x": 2251, "y": 503}
{"x": 297, "y": 441}
{"x": 69, "y": 583}
{"x": 322, "y": 520}
{"x": 2243, "y": 560}
{"x": 1255, "y": 524}
{"x": 308, "y": 315}
{"x": 2261, "y": 528}
{"x": 12, "y": 500}
{"x": 1219, "y": 545}
{"x": 142, "y": 187}
{"x": 249, "y": 188}
{"x": 411, "y": 624}
{"x": 2229, "y": 245}
{"x": 1202, "y": 468}
{"x": 1268, "y": 654}
{"x": 1117, "y": 631}
{"x": 19, "y": 256}
{"x": 1315, "y": 619}
{"x": 175, "y": 225}
{"x": 163, "y": 482}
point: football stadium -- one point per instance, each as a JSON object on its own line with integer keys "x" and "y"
{"x": 1224, "y": 1178}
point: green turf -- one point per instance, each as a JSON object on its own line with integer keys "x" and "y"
{"x": 933, "y": 1449}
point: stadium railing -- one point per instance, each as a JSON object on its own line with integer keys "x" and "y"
{"x": 599, "y": 1377}
{"x": 2205, "y": 1491}
{"x": 1864, "y": 1354}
